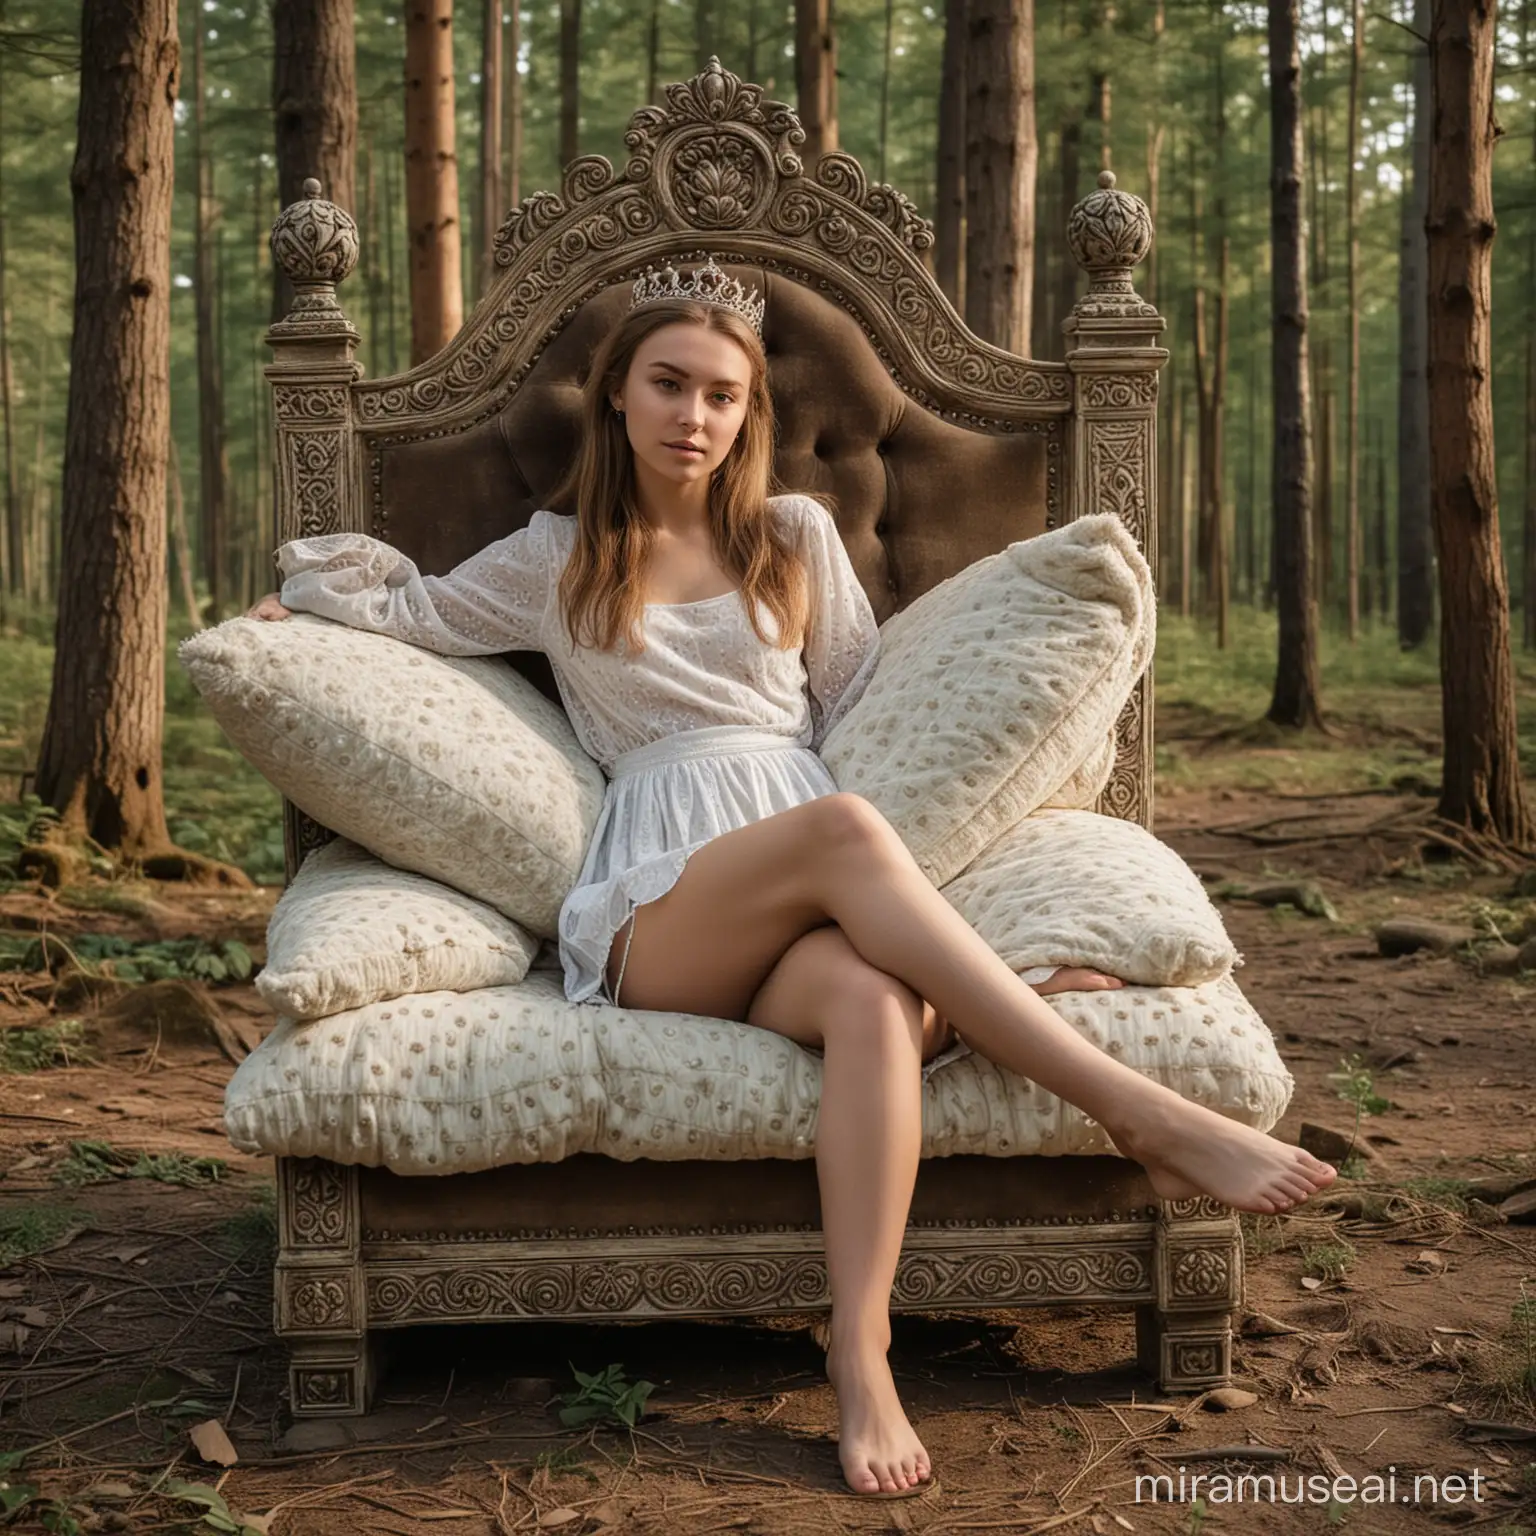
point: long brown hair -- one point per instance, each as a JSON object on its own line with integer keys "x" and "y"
{"x": 600, "y": 588}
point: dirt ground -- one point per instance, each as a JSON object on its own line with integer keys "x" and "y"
{"x": 1383, "y": 1327}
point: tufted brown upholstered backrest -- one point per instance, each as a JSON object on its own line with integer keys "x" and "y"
{"x": 934, "y": 447}
{"x": 917, "y": 497}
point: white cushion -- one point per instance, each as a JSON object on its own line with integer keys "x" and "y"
{"x": 351, "y": 929}
{"x": 454, "y": 1082}
{"x": 454, "y": 767}
{"x": 996, "y": 687}
{"x": 1077, "y": 888}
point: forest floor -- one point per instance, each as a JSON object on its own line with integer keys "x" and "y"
{"x": 1388, "y": 1325}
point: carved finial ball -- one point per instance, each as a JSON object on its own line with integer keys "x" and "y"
{"x": 1110, "y": 230}
{"x": 313, "y": 240}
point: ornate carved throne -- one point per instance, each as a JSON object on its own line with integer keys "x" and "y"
{"x": 939, "y": 448}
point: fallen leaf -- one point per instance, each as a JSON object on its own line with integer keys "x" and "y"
{"x": 1230, "y": 1398}
{"x": 110, "y": 1491}
{"x": 12, "y": 1337}
{"x": 561, "y": 1516}
{"x": 259, "y": 1523}
{"x": 442, "y": 1418}
{"x": 9, "y": 1289}
{"x": 1311, "y": 1283}
{"x": 129, "y": 1252}
{"x": 610, "y": 1513}
{"x": 1426, "y": 1262}
{"x": 212, "y": 1443}
{"x": 35, "y": 1317}
{"x": 1120, "y": 1520}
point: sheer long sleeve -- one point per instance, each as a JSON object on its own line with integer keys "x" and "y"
{"x": 494, "y": 601}
{"x": 845, "y": 640}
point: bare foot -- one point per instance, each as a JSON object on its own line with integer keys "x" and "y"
{"x": 1190, "y": 1150}
{"x": 1076, "y": 978}
{"x": 878, "y": 1448}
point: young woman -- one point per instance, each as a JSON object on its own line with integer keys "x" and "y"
{"x": 705, "y": 635}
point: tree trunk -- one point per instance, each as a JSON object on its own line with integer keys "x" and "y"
{"x": 432, "y": 177}
{"x": 314, "y": 109}
{"x": 1528, "y": 531}
{"x": 1352, "y": 387}
{"x": 816, "y": 78}
{"x": 1000, "y": 165}
{"x": 391, "y": 289}
{"x": 15, "y": 544}
{"x": 703, "y": 34}
{"x": 1295, "y": 701}
{"x": 213, "y": 464}
{"x": 885, "y": 89}
{"x": 1482, "y": 787}
{"x": 100, "y": 765}
{"x": 512, "y": 96}
{"x": 491, "y": 209}
{"x": 949, "y": 205}
{"x": 570, "y": 79}
{"x": 652, "y": 51}
{"x": 1415, "y": 541}
{"x": 181, "y": 545}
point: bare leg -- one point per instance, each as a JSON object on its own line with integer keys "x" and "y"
{"x": 874, "y": 1032}
{"x": 710, "y": 942}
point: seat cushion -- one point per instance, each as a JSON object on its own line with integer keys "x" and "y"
{"x": 351, "y": 929}
{"x": 1077, "y": 888}
{"x": 453, "y": 1082}
{"x": 454, "y": 767}
{"x": 996, "y": 688}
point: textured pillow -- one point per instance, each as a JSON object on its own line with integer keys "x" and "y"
{"x": 453, "y": 1082}
{"x": 1076, "y": 888}
{"x": 454, "y": 767}
{"x": 350, "y": 930}
{"x": 994, "y": 688}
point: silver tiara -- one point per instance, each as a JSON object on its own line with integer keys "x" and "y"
{"x": 708, "y": 284}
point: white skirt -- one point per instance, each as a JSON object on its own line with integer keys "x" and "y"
{"x": 663, "y": 803}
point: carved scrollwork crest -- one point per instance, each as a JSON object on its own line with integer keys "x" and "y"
{"x": 320, "y": 1303}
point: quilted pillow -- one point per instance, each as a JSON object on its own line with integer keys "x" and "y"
{"x": 1076, "y": 888}
{"x": 996, "y": 687}
{"x": 351, "y": 930}
{"x": 454, "y": 767}
{"x": 454, "y": 1082}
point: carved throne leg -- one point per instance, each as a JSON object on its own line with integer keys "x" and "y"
{"x": 319, "y": 1297}
{"x": 1184, "y": 1338}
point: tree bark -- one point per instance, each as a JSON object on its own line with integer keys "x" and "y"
{"x": 1295, "y": 701}
{"x": 100, "y": 765}
{"x": 314, "y": 109}
{"x": 949, "y": 205}
{"x": 1001, "y": 157}
{"x": 1528, "y": 530}
{"x": 816, "y": 78}
{"x": 213, "y": 463}
{"x": 15, "y": 544}
{"x": 492, "y": 208}
{"x": 1352, "y": 278}
{"x": 1482, "y": 787}
{"x": 512, "y": 97}
{"x": 1415, "y": 540}
{"x": 885, "y": 89}
{"x": 432, "y": 178}
{"x": 1211, "y": 375}
{"x": 570, "y": 79}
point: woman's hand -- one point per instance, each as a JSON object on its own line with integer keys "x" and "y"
{"x": 269, "y": 608}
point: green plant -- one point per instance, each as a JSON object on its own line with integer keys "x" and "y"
{"x": 1355, "y": 1086}
{"x": 93, "y": 1162}
{"x": 1522, "y": 1336}
{"x": 253, "y": 1228}
{"x": 605, "y": 1395}
{"x": 1327, "y": 1261}
{"x": 1197, "y": 1512}
{"x": 111, "y": 955}
{"x": 216, "y": 1512}
{"x": 30, "y": 1228}
{"x": 1452, "y": 1194}
{"x": 24, "y": 1048}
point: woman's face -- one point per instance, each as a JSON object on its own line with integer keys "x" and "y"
{"x": 685, "y": 384}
